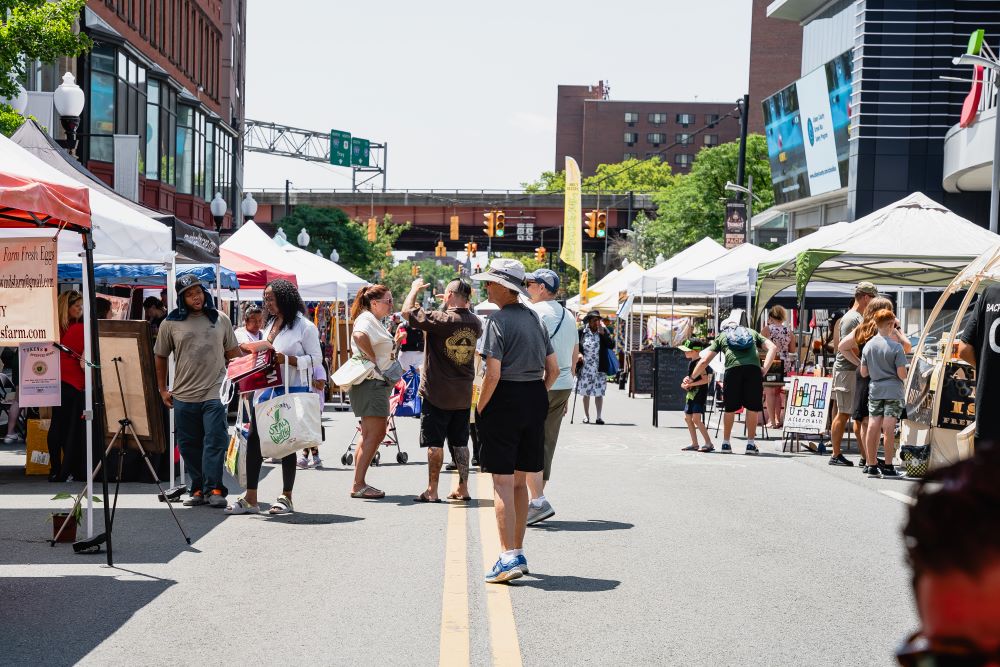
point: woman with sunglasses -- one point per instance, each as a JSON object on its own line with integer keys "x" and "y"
{"x": 370, "y": 399}
{"x": 66, "y": 434}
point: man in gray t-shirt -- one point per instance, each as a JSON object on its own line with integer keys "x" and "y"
{"x": 845, "y": 373}
{"x": 520, "y": 368}
{"x": 202, "y": 340}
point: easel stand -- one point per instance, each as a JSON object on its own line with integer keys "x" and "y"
{"x": 791, "y": 441}
{"x": 93, "y": 545}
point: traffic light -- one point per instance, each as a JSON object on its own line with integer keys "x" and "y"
{"x": 440, "y": 250}
{"x": 499, "y": 223}
{"x": 372, "y": 228}
{"x": 591, "y": 225}
{"x": 474, "y": 248}
{"x": 415, "y": 270}
{"x": 540, "y": 254}
{"x": 488, "y": 222}
{"x": 454, "y": 228}
{"x": 602, "y": 224}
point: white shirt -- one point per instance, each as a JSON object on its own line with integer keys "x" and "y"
{"x": 300, "y": 341}
{"x": 378, "y": 335}
{"x": 564, "y": 338}
{"x": 244, "y": 336}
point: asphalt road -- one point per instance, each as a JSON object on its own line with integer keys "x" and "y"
{"x": 654, "y": 556}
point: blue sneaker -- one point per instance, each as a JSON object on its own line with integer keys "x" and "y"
{"x": 522, "y": 563}
{"x": 752, "y": 450}
{"x": 501, "y": 573}
{"x": 726, "y": 448}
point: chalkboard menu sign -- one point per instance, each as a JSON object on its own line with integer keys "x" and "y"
{"x": 641, "y": 375}
{"x": 670, "y": 369}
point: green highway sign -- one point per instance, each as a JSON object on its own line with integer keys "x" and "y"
{"x": 360, "y": 152}
{"x": 340, "y": 148}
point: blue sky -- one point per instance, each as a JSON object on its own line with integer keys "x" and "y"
{"x": 465, "y": 92}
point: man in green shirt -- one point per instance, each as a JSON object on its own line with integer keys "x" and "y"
{"x": 743, "y": 382}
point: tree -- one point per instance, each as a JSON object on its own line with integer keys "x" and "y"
{"x": 694, "y": 207}
{"x": 34, "y": 30}
{"x": 644, "y": 176}
{"x": 399, "y": 278}
{"x": 638, "y": 246}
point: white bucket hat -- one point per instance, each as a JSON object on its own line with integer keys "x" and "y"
{"x": 506, "y": 272}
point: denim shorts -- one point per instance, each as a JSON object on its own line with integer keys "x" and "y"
{"x": 879, "y": 407}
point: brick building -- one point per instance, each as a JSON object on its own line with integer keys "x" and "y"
{"x": 775, "y": 58}
{"x": 595, "y": 130}
{"x": 170, "y": 72}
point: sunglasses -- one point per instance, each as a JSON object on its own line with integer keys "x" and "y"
{"x": 919, "y": 651}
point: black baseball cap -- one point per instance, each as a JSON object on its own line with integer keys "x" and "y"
{"x": 186, "y": 282}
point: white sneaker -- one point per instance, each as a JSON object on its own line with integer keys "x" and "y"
{"x": 317, "y": 462}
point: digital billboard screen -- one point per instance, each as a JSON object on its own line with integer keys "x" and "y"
{"x": 807, "y": 130}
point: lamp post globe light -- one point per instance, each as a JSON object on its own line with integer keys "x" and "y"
{"x": 334, "y": 255}
{"x": 280, "y": 235}
{"x": 319, "y": 253}
{"x": 218, "y": 207}
{"x": 303, "y": 238}
{"x": 248, "y": 206}
{"x": 660, "y": 259}
{"x": 19, "y": 103}
{"x": 69, "y": 100}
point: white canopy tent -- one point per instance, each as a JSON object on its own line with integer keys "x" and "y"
{"x": 703, "y": 280}
{"x": 660, "y": 278}
{"x": 348, "y": 283}
{"x": 249, "y": 244}
{"x": 604, "y": 294}
{"x": 121, "y": 234}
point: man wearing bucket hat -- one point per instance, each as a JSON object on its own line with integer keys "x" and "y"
{"x": 560, "y": 324}
{"x": 201, "y": 339}
{"x": 521, "y": 367}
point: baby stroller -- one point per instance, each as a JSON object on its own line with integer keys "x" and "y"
{"x": 391, "y": 437}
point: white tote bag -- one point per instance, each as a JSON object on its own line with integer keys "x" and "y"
{"x": 289, "y": 422}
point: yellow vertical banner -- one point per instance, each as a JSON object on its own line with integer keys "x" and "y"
{"x": 572, "y": 241}
{"x": 584, "y": 286}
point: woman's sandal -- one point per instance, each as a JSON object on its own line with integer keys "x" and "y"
{"x": 242, "y": 506}
{"x": 368, "y": 493}
{"x": 283, "y": 505}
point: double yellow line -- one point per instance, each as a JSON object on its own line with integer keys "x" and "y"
{"x": 504, "y": 646}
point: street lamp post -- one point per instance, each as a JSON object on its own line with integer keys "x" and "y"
{"x": 287, "y": 199}
{"x": 218, "y": 207}
{"x": 69, "y": 100}
{"x": 303, "y": 238}
{"x": 248, "y": 206}
{"x": 993, "y": 66}
{"x": 733, "y": 187}
{"x": 334, "y": 256}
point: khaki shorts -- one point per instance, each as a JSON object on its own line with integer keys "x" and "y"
{"x": 370, "y": 398}
{"x": 558, "y": 398}
{"x": 844, "y": 388}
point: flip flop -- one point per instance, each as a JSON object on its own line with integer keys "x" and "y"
{"x": 422, "y": 498}
{"x": 690, "y": 448}
{"x": 454, "y": 496}
{"x": 368, "y": 493}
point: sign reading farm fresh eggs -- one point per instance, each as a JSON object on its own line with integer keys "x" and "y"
{"x": 28, "y": 290}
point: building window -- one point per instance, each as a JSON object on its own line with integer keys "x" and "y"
{"x": 685, "y": 119}
{"x": 630, "y": 156}
{"x": 631, "y": 138}
{"x": 712, "y": 119}
{"x": 631, "y": 117}
{"x": 654, "y": 156}
{"x": 190, "y": 151}
{"x": 684, "y": 139}
{"x": 224, "y": 164}
{"x": 657, "y": 118}
{"x": 117, "y": 102}
{"x": 711, "y": 140}
{"x": 683, "y": 160}
{"x": 168, "y": 135}
{"x": 152, "y": 130}
{"x": 656, "y": 138}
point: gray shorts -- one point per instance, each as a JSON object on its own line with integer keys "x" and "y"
{"x": 844, "y": 388}
{"x": 370, "y": 398}
{"x": 558, "y": 398}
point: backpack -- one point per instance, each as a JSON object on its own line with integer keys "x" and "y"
{"x": 738, "y": 338}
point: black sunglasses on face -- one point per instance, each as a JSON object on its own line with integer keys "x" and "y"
{"x": 919, "y": 651}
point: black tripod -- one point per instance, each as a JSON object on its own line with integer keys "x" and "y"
{"x": 93, "y": 545}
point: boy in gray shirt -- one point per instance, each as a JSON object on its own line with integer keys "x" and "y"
{"x": 884, "y": 361}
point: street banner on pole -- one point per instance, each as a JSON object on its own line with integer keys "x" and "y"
{"x": 572, "y": 241}
{"x": 736, "y": 224}
{"x": 40, "y": 376}
{"x": 28, "y": 272}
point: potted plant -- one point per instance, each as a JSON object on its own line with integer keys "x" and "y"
{"x": 71, "y": 519}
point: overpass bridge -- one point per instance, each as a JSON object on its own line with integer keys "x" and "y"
{"x": 430, "y": 213}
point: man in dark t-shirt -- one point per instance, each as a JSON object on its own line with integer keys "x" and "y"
{"x": 446, "y": 387}
{"x": 980, "y": 346}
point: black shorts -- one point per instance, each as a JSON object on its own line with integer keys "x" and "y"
{"x": 743, "y": 387}
{"x": 512, "y": 428}
{"x": 692, "y": 408}
{"x": 437, "y": 425}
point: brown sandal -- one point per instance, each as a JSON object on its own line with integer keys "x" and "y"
{"x": 368, "y": 493}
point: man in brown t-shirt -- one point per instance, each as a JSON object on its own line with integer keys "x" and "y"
{"x": 446, "y": 383}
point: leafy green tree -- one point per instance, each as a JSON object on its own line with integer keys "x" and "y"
{"x": 694, "y": 207}
{"x": 548, "y": 182}
{"x": 650, "y": 175}
{"x": 399, "y": 278}
{"x": 34, "y": 30}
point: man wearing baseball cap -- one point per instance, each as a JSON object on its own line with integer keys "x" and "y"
{"x": 845, "y": 373}
{"x": 201, "y": 339}
{"x": 560, "y": 325}
{"x": 521, "y": 366}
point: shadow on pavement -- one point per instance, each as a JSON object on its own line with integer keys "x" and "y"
{"x": 35, "y": 635}
{"x": 313, "y": 519}
{"x": 566, "y": 583}
{"x": 592, "y": 525}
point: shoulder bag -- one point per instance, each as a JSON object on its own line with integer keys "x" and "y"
{"x": 289, "y": 421}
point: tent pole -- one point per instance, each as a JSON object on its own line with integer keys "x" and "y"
{"x": 96, "y": 413}
{"x": 171, "y": 288}
{"x": 88, "y": 400}
{"x": 922, "y": 310}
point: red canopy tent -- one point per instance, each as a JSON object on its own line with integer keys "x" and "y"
{"x": 26, "y": 202}
{"x": 253, "y": 274}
